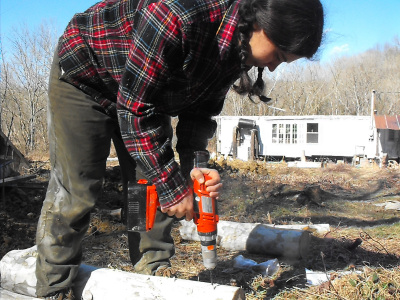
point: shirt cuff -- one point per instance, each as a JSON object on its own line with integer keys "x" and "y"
{"x": 173, "y": 190}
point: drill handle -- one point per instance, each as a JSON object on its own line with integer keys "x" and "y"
{"x": 142, "y": 204}
{"x": 152, "y": 204}
{"x": 200, "y": 188}
{"x": 205, "y": 207}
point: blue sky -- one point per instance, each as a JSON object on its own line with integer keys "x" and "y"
{"x": 353, "y": 26}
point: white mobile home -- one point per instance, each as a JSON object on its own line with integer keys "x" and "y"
{"x": 316, "y": 137}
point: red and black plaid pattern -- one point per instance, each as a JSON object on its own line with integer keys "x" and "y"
{"x": 155, "y": 59}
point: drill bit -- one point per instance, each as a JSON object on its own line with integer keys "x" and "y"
{"x": 211, "y": 276}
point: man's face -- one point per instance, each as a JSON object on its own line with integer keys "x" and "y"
{"x": 263, "y": 52}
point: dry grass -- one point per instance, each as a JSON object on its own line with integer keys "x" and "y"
{"x": 364, "y": 238}
{"x": 370, "y": 283}
{"x": 266, "y": 193}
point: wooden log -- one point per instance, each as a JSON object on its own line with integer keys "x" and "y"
{"x": 17, "y": 269}
{"x": 281, "y": 240}
{"x": 18, "y": 276}
{"x": 105, "y": 284}
{"x": 7, "y": 295}
{"x": 291, "y": 243}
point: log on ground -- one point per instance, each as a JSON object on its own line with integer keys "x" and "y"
{"x": 284, "y": 240}
{"x": 7, "y": 295}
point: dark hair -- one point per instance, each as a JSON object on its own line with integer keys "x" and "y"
{"x": 294, "y": 26}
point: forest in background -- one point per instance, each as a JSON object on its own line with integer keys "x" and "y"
{"x": 340, "y": 87}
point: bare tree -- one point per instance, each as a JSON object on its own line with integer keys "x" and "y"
{"x": 26, "y": 72}
{"x": 353, "y": 78}
{"x": 342, "y": 86}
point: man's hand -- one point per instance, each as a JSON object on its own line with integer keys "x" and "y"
{"x": 181, "y": 209}
{"x": 185, "y": 207}
{"x": 213, "y": 185}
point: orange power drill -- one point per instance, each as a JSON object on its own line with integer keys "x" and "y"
{"x": 143, "y": 202}
{"x": 205, "y": 214}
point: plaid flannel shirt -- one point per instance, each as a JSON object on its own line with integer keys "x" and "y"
{"x": 153, "y": 59}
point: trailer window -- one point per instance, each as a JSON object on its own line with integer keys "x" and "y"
{"x": 281, "y": 132}
{"x": 287, "y": 134}
{"x": 294, "y": 134}
{"x": 284, "y": 133}
{"x": 274, "y": 133}
{"x": 312, "y": 133}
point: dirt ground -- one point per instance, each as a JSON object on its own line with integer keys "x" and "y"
{"x": 339, "y": 195}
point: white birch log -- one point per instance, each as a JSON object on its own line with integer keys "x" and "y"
{"x": 17, "y": 269}
{"x": 105, "y": 284}
{"x": 7, "y": 295}
{"x": 282, "y": 240}
{"x": 18, "y": 276}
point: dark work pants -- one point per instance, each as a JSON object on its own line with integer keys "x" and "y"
{"x": 80, "y": 134}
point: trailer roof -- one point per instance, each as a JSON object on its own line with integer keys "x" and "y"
{"x": 387, "y": 122}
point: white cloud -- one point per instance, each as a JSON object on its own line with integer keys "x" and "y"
{"x": 337, "y": 50}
